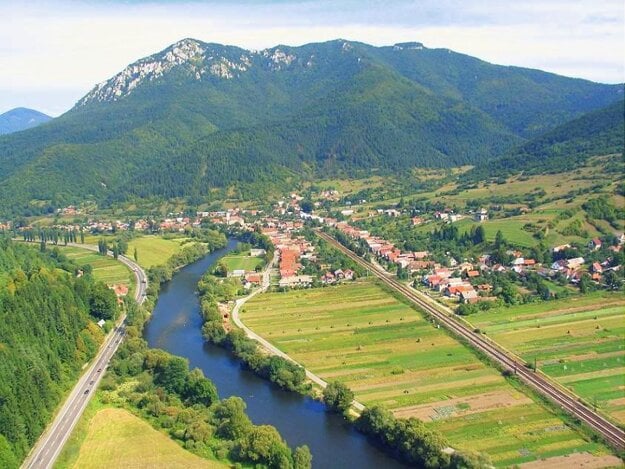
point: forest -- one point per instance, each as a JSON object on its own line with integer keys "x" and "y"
{"x": 47, "y": 333}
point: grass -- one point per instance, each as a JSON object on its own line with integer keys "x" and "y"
{"x": 578, "y": 341}
{"x": 105, "y": 268}
{"x": 242, "y": 262}
{"x": 154, "y": 250}
{"x": 388, "y": 354}
{"x": 116, "y": 438}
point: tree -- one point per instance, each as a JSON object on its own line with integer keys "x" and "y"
{"x": 306, "y": 206}
{"x": 302, "y": 459}
{"x": 338, "y": 396}
{"x": 612, "y": 280}
{"x": 173, "y": 375}
{"x": 102, "y": 302}
{"x": 135, "y": 255}
{"x": 221, "y": 270}
{"x": 199, "y": 389}
{"x": 500, "y": 241}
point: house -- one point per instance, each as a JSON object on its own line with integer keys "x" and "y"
{"x": 253, "y": 278}
{"x": 560, "y": 248}
{"x": 295, "y": 281}
{"x": 257, "y": 252}
{"x": 328, "y": 278}
{"x": 416, "y": 221}
{"x": 101, "y": 322}
{"x": 469, "y": 296}
{"x": 481, "y": 215}
{"x": 575, "y": 263}
{"x": 597, "y": 268}
{"x": 349, "y": 274}
{"x": 595, "y": 244}
{"x": 473, "y": 273}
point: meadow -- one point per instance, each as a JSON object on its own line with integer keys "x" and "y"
{"x": 389, "y": 354}
{"x": 116, "y": 438}
{"x": 105, "y": 268}
{"x": 578, "y": 341}
{"x": 154, "y": 250}
{"x": 242, "y": 261}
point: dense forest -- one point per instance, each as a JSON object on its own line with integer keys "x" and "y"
{"x": 565, "y": 147}
{"x": 317, "y": 110}
{"x": 47, "y": 333}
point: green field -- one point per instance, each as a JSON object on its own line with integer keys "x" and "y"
{"x": 153, "y": 250}
{"x": 105, "y": 268}
{"x": 388, "y": 354}
{"x": 242, "y": 261}
{"x": 578, "y": 341}
{"x": 117, "y": 438}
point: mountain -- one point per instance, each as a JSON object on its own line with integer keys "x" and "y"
{"x": 596, "y": 133}
{"x": 21, "y": 118}
{"x": 197, "y": 117}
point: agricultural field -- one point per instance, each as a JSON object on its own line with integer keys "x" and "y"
{"x": 117, "y": 438}
{"x": 242, "y": 261}
{"x": 578, "y": 341}
{"x": 105, "y": 268}
{"x": 154, "y": 250}
{"x": 388, "y": 354}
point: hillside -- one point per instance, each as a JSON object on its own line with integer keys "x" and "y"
{"x": 21, "y": 118}
{"x": 199, "y": 116}
{"x": 47, "y": 333}
{"x": 599, "y": 132}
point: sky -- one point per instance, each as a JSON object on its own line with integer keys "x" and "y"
{"x": 53, "y": 52}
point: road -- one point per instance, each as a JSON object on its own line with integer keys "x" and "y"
{"x": 268, "y": 345}
{"x": 47, "y": 449}
{"x": 541, "y": 383}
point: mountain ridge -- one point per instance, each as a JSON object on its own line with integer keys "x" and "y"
{"x": 336, "y": 108}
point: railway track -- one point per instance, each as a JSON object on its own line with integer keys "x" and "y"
{"x": 614, "y": 435}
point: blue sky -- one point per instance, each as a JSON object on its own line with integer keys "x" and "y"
{"x": 53, "y": 52}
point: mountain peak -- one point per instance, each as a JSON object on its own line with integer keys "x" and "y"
{"x": 21, "y": 118}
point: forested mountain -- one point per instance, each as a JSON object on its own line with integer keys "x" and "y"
{"x": 197, "y": 116}
{"x": 47, "y": 332}
{"x": 21, "y": 118}
{"x": 596, "y": 133}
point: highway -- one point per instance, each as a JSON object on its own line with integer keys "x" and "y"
{"x": 614, "y": 435}
{"x": 49, "y": 445}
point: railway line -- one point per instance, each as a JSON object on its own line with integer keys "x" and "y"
{"x": 614, "y": 435}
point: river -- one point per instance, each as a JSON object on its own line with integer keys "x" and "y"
{"x": 175, "y": 326}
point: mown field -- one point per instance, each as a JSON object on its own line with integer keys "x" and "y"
{"x": 153, "y": 250}
{"x": 389, "y": 354}
{"x": 105, "y": 268}
{"x": 116, "y": 438}
{"x": 241, "y": 261}
{"x": 578, "y": 341}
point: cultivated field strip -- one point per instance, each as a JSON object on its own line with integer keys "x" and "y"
{"x": 570, "y": 403}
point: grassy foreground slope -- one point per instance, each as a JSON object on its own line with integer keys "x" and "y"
{"x": 117, "y": 438}
{"x": 388, "y": 354}
{"x": 578, "y": 341}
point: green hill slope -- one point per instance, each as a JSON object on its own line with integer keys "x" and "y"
{"x": 196, "y": 116}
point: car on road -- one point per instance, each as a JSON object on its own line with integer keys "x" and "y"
{"x": 92, "y": 381}
{"x": 86, "y": 391}
{"x": 99, "y": 370}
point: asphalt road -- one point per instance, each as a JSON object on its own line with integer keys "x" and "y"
{"x": 47, "y": 449}
{"x": 567, "y": 401}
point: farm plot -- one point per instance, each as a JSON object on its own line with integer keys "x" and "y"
{"x": 388, "y": 354}
{"x": 241, "y": 262}
{"x": 154, "y": 250}
{"x": 579, "y": 341}
{"x": 105, "y": 268}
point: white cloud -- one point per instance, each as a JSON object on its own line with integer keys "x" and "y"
{"x": 72, "y": 45}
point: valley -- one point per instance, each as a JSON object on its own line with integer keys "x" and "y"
{"x": 334, "y": 254}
